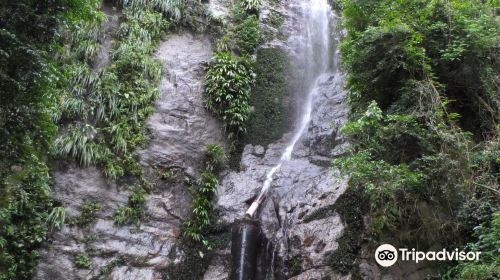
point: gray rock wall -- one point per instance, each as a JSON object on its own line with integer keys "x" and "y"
{"x": 180, "y": 129}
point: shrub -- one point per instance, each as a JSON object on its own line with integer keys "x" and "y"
{"x": 214, "y": 157}
{"x": 228, "y": 82}
{"x": 203, "y": 191}
{"x": 247, "y": 35}
{"x": 79, "y": 143}
{"x": 24, "y": 212}
{"x": 419, "y": 75}
{"x": 30, "y": 75}
{"x": 488, "y": 239}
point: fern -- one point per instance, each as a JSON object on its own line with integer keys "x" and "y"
{"x": 79, "y": 144}
{"x": 56, "y": 217}
{"x": 173, "y": 8}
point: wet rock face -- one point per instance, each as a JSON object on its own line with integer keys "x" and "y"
{"x": 142, "y": 249}
{"x": 306, "y": 182}
{"x": 180, "y": 128}
{"x": 302, "y": 185}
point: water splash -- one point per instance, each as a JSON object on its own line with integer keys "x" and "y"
{"x": 317, "y": 61}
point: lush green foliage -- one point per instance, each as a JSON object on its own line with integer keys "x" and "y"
{"x": 203, "y": 191}
{"x": 47, "y": 74}
{"x": 105, "y": 112}
{"x": 57, "y": 217}
{"x": 29, "y": 77}
{"x": 488, "y": 242}
{"x": 421, "y": 74}
{"x": 228, "y": 82}
{"x": 270, "y": 116}
{"x": 449, "y": 44}
{"x": 173, "y": 8}
{"x": 24, "y": 213}
{"x": 230, "y": 77}
{"x": 247, "y": 35}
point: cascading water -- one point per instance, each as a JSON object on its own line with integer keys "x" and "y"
{"x": 317, "y": 61}
{"x": 247, "y": 244}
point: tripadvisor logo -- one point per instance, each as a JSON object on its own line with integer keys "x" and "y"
{"x": 387, "y": 255}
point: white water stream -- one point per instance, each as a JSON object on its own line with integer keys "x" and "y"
{"x": 317, "y": 57}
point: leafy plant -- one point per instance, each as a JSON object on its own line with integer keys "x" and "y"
{"x": 57, "y": 217}
{"x": 227, "y": 83}
{"x": 79, "y": 143}
{"x": 30, "y": 77}
{"x": 24, "y": 213}
{"x": 82, "y": 261}
{"x": 214, "y": 157}
{"x": 47, "y": 76}
{"x": 88, "y": 213}
{"x": 173, "y": 8}
{"x": 203, "y": 191}
{"x": 247, "y": 35}
{"x": 488, "y": 242}
{"x": 134, "y": 211}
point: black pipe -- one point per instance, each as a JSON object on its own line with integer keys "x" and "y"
{"x": 246, "y": 237}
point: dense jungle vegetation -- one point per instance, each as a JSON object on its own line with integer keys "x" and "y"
{"x": 423, "y": 80}
{"x": 57, "y": 103}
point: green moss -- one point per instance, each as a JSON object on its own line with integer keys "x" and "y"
{"x": 270, "y": 117}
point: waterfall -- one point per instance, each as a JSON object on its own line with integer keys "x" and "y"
{"x": 316, "y": 60}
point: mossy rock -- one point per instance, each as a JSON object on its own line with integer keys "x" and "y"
{"x": 270, "y": 116}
